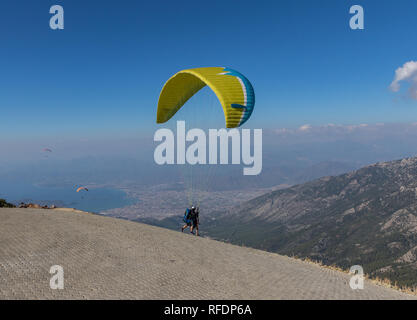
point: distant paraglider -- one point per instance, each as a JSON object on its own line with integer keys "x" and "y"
{"x": 45, "y": 152}
{"x": 79, "y": 189}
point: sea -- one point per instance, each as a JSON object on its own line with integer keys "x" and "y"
{"x": 94, "y": 200}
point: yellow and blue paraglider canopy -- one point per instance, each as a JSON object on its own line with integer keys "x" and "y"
{"x": 233, "y": 90}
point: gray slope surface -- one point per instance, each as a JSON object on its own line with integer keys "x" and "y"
{"x": 108, "y": 258}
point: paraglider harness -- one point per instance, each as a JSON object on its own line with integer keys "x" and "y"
{"x": 191, "y": 217}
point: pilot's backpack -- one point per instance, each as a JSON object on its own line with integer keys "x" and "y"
{"x": 186, "y": 218}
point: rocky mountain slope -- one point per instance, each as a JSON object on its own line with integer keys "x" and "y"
{"x": 366, "y": 217}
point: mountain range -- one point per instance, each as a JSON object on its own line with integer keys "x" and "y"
{"x": 366, "y": 217}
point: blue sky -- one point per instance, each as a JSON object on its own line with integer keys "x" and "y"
{"x": 102, "y": 74}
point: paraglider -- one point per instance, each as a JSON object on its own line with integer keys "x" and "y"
{"x": 191, "y": 219}
{"x": 45, "y": 152}
{"x": 237, "y": 99}
{"x": 233, "y": 90}
{"x": 81, "y": 188}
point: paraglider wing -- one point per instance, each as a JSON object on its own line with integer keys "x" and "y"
{"x": 233, "y": 90}
{"x": 82, "y": 188}
{"x": 46, "y": 150}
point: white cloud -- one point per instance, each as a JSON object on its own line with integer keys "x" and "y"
{"x": 282, "y": 130}
{"x": 305, "y": 127}
{"x": 339, "y": 132}
{"x": 330, "y": 129}
{"x": 408, "y": 72}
